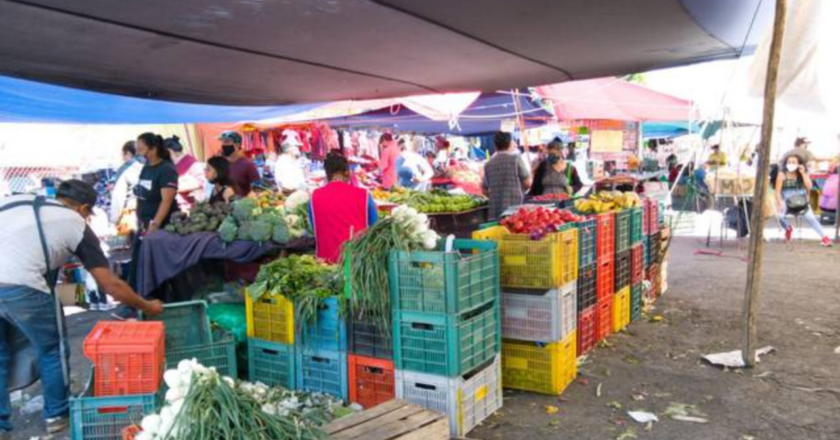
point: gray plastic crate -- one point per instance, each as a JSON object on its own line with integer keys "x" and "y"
{"x": 548, "y": 317}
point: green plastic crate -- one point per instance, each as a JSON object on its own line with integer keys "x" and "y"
{"x": 271, "y": 363}
{"x": 186, "y": 324}
{"x": 221, "y": 353}
{"x": 635, "y": 301}
{"x": 622, "y": 230}
{"x": 445, "y": 282}
{"x": 637, "y": 219}
{"x": 104, "y": 418}
{"x": 446, "y": 345}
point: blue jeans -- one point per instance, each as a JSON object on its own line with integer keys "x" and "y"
{"x": 33, "y": 313}
{"x": 810, "y": 218}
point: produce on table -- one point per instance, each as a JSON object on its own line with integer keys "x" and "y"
{"x": 366, "y": 260}
{"x": 200, "y": 404}
{"x": 538, "y": 221}
{"x": 607, "y": 201}
{"x": 551, "y": 197}
{"x": 202, "y": 217}
{"x": 431, "y": 202}
{"x": 259, "y": 220}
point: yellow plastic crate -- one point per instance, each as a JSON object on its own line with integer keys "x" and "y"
{"x": 535, "y": 264}
{"x": 270, "y": 318}
{"x": 540, "y": 368}
{"x": 621, "y": 310}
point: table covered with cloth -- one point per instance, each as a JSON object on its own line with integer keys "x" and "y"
{"x": 164, "y": 255}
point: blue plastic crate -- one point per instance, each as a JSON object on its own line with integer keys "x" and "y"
{"x": 271, "y": 363}
{"x": 587, "y": 242}
{"x": 221, "y": 354}
{"x": 329, "y": 332}
{"x": 186, "y": 324}
{"x": 104, "y": 418}
{"x": 322, "y": 371}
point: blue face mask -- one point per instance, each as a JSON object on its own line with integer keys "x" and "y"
{"x": 553, "y": 159}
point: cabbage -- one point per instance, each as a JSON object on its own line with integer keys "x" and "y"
{"x": 281, "y": 233}
{"x": 260, "y": 231}
{"x": 243, "y": 209}
{"x": 228, "y": 230}
{"x": 244, "y": 232}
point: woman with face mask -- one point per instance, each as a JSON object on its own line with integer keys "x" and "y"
{"x": 554, "y": 175}
{"x": 793, "y": 185}
{"x": 157, "y": 186}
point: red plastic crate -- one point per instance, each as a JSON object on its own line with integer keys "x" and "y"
{"x": 371, "y": 380}
{"x": 587, "y": 335}
{"x": 646, "y": 217}
{"x": 605, "y": 236}
{"x": 653, "y": 216}
{"x": 604, "y": 319}
{"x": 605, "y": 280}
{"x": 637, "y": 264}
{"x": 129, "y": 357}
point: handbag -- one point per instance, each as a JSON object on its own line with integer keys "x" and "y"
{"x": 796, "y": 203}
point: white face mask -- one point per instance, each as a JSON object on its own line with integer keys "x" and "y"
{"x": 791, "y": 167}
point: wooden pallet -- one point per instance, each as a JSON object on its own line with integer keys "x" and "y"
{"x": 392, "y": 420}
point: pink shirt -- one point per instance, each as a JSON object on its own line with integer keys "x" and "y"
{"x": 388, "y": 164}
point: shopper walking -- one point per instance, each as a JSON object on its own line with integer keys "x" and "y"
{"x": 506, "y": 177}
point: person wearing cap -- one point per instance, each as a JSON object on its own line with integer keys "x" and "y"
{"x": 389, "y": 152}
{"x": 191, "y": 181}
{"x": 288, "y": 171}
{"x": 243, "y": 172}
{"x": 800, "y": 149}
{"x": 38, "y": 237}
{"x": 717, "y": 158}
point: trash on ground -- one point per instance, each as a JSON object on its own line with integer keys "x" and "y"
{"x": 598, "y": 390}
{"x": 643, "y": 416}
{"x": 733, "y": 359}
{"x": 614, "y": 404}
{"x": 837, "y": 350}
{"x": 627, "y": 435}
{"x": 551, "y": 409}
{"x": 685, "y": 412}
{"x": 32, "y": 406}
{"x": 690, "y": 419}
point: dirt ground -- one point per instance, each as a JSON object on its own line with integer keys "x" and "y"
{"x": 794, "y": 393}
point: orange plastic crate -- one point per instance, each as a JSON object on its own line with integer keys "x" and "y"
{"x": 587, "y": 333}
{"x": 605, "y": 279}
{"x": 604, "y": 318}
{"x": 604, "y": 236}
{"x": 129, "y": 357}
{"x": 371, "y": 380}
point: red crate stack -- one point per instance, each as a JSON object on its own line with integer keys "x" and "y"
{"x": 605, "y": 236}
{"x": 637, "y": 264}
{"x": 654, "y": 275}
{"x": 605, "y": 279}
{"x": 604, "y": 318}
{"x": 646, "y": 217}
{"x": 371, "y": 381}
{"x": 587, "y": 331}
{"x": 653, "y": 215}
{"x": 128, "y": 357}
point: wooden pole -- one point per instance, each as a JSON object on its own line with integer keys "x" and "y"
{"x": 752, "y": 290}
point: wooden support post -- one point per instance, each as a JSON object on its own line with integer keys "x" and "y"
{"x": 752, "y": 290}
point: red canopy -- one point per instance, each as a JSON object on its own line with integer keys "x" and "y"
{"x": 615, "y": 99}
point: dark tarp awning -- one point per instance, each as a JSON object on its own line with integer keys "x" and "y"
{"x": 271, "y": 52}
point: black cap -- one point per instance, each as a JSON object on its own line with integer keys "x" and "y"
{"x": 231, "y": 136}
{"x": 78, "y": 191}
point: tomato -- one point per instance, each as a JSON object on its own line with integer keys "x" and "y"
{"x": 518, "y": 225}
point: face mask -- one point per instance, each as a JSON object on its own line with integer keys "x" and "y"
{"x": 140, "y": 158}
{"x": 228, "y": 150}
{"x": 791, "y": 167}
{"x": 553, "y": 159}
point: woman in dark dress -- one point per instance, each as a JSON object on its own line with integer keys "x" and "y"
{"x": 555, "y": 175}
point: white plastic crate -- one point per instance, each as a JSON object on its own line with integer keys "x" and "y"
{"x": 549, "y": 317}
{"x": 467, "y": 400}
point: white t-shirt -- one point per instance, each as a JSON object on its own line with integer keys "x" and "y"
{"x": 288, "y": 173}
{"x": 22, "y": 260}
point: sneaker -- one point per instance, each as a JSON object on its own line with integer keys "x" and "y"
{"x": 57, "y": 424}
{"x": 788, "y": 233}
{"x": 826, "y": 242}
{"x": 105, "y": 307}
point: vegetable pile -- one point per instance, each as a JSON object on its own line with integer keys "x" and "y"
{"x": 259, "y": 220}
{"x": 366, "y": 257}
{"x": 432, "y": 202}
{"x": 607, "y": 201}
{"x": 202, "y": 217}
{"x": 538, "y": 221}
{"x": 203, "y": 405}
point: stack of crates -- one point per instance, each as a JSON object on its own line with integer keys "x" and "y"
{"x": 639, "y": 224}
{"x": 271, "y": 335}
{"x": 321, "y": 352}
{"x": 607, "y": 232}
{"x": 127, "y": 376}
{"x": 446, "y": 330}
{"x": 586, "y": 283}
{"x": 370, "y": 361}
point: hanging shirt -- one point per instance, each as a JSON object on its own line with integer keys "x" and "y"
{"x": 337, "y": 212}
{"x": 288, "y": 173}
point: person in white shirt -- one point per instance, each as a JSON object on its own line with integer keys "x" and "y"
{"x": 413, "y": 170}
{"x": 288, "y": 172}
{"x": 128, "y": 175}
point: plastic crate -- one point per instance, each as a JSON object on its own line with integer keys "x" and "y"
{"x": 622, "y": 270}
{"x": 587, "y": 241}
{"x": 605, "y": 237}
{"x": 328, "y": 332}
{"x": 467, "y": 400}
{"x": 535, "y": 264}
{"x": 541, "y": 368}
{"x": 546, "y": 317}
{"x": 621, "y": 309}
{"x": 587, "y": 331}
{"x": 586, "y": 287}
{"x": 445, "y": 344}
{"x": 645, "y": 217}
{"x": 270, "y": 318}
{"x": 605, "y": 279}
{"x": 657, "y": 216}
{"x": 654, "y": 249}
{"x": 129, "y": 357}
{"x": 622, "y": 230}
{"x": 186, "y": 324}
{"x": 637, "y": 264}
{"x": 271, "y": 363}
{"x": 105, "y": 418}
{"x": 604, "y": 318}
{"x": 322, "y": 371}
{"x": 636, "y": 222}
{"x": 367, "y": 338}
{"x": 635, "y": 301}
{"x": 371, "y": 381}
{"x": 221, "y": 354}
{"x": 445, "y": 282}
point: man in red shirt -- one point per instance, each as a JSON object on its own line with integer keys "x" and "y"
{"x": 243, "y": 172}
{"x": 338, "y": 211}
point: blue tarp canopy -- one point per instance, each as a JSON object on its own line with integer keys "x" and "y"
{"x": 484, "y": 115}
{"x": 28, "y": 101}
{"x": 654, "y": 130}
